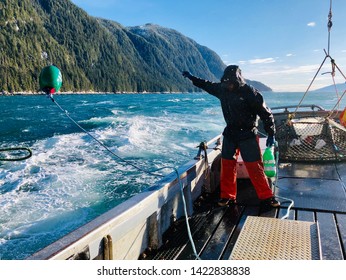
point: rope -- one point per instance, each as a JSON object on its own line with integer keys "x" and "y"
{"x": 276, "y": 186}
{"x": 334, "y": 65}
{"x": 125, "y": 163}
{"x": 186, "y": 216}
{"x": 314, "y": 78}
{"x": 122, "y": 161}
{"x": 330, "y": 24}
{"x": 337, "y": 103}
{"x": 16, "y": 149}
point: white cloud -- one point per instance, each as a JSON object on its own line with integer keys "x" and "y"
{"x": 289, "y": 54}
{"x": 300, "y": 69}
{"x": 262, "y": 60}
{"x": 311, "y": 24}
{"x": 282, "y": 78}
{"x": 291, "y": 70}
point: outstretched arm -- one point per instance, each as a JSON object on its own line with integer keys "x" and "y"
{"x": 208, "y": 86}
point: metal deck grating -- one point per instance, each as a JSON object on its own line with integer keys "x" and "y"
{"x": 271, "y": 239}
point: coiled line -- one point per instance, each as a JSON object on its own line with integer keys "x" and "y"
{"x": 27, "y": 150}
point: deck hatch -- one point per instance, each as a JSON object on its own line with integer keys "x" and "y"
{"x": 273, "y": 239}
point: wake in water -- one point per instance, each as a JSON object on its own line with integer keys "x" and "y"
{"x": 70, "y": 179}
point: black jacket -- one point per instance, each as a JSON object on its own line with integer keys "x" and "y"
{"x": 241, "y": 108}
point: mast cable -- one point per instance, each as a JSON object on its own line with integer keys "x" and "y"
{"x": 333, "y": 64}
{"x": 330, "y": 23}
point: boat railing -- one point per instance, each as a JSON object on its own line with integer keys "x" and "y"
{"x": 127, "y": 230}
{"x": 292, "y": 108}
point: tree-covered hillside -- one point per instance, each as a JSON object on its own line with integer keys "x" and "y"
{"x": 95, "y": 54}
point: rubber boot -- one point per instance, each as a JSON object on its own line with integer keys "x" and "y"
{"x": 259, "y": 179}
{"x": 228, "y": 179}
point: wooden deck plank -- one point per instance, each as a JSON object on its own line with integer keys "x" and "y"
{"x": 306, "y": 216}
{"x": 176, "y": 238}
{"x": 330, "y": 243}
{"x": 270, "y": 213}
{"x": 202, "y": 237}
{"x": 341, "y": 223}
{"x": 220, "y": 238}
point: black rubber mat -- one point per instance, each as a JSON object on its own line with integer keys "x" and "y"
{"x": 317, "y": 194}
{"x": 306, "y": 170}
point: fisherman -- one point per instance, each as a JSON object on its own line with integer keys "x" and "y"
{"x": 241, "y": 106}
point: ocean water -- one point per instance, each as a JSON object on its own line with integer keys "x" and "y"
{"x": 71, "y": 179}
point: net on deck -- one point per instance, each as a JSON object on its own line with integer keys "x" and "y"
{"x": 312, "y": 139}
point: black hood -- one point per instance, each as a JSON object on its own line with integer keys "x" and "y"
{"x": 232, "y": 74}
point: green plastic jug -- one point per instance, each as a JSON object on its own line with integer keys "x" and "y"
{"x": 269, "y": 162}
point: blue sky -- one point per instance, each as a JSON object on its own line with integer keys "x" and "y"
{"x": 278, "y": 42}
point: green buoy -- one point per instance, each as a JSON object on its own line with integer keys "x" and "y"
{"x": 50, "y": 79}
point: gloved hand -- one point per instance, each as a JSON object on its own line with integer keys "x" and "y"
{"x": 187, "y": 74}
{"x": 270, "y": 140}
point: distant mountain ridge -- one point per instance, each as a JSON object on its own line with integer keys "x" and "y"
{"x": 331, "y": 88}
{"x": 96, "y": 54}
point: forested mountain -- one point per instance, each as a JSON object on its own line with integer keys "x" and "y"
{"x": 95, "y": 54}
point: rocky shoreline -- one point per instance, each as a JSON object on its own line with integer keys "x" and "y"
{"x": 4, "y": 93}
